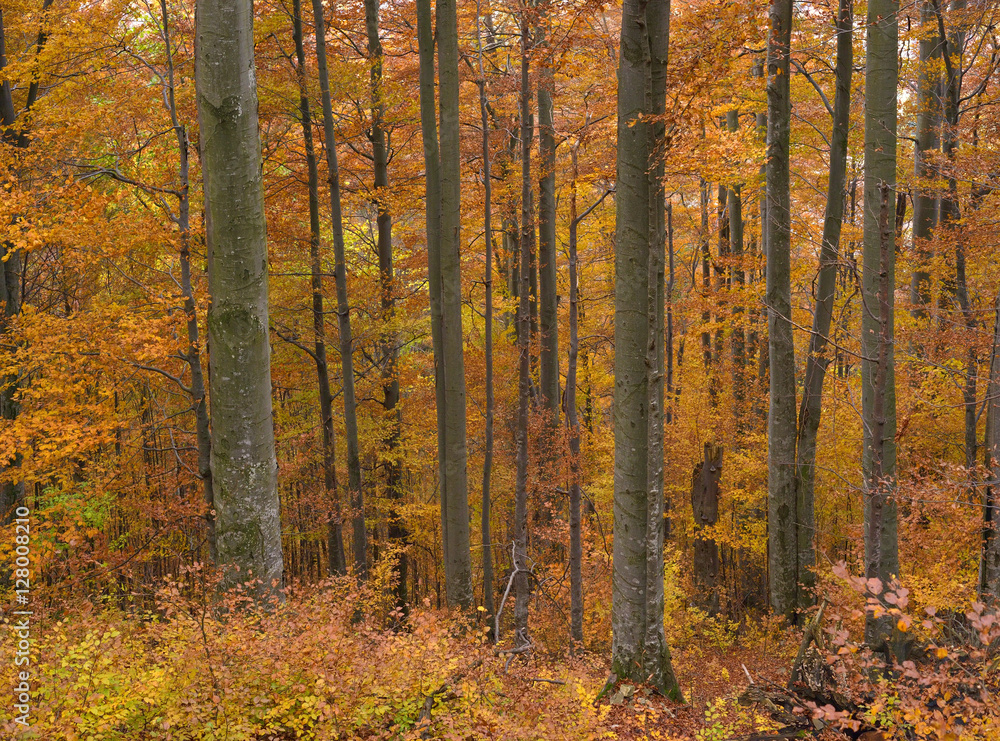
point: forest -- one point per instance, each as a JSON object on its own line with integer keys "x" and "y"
{"x": 499, "y": 369}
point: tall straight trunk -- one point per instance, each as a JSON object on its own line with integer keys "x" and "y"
{"x": 928, "y": 139}
{"x": 199, "y": 398}
{"x": 488, "y": 330}
{"x": 458, "y": 568}
{"x": 722, "y": 269}
{"x": 759, "y": 340}
{"x": 817, "y": 361}
{"x": 951, "y": 213}
{"x": 337, "y": 559}
{"x": 671, "y": 406}
{"x": 989, "y": 562}
{"x": 243, "y": 464}
{"x": 432, "y": 180}
{"x": 548, "y": 317}
{"x": 354, "y": 482}
{"x": 706, "y": 275}
{"x": 572, "y": 421}
{"x": 522, "y": 586}
{"x": 639, "y": 649}
{"x": 878, "y": 395}
{"x": 735, "y": 208}
{"x": 396, "y": 529}
{"x": 783, "y": 518}
{"x": 880, "y": 483}
{"x": 672, "y": 396}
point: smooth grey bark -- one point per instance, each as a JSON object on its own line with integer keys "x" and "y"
{"x": 878, "y": 394}
{"x": 388, "y": 345}
{"x": 989, "y": 562}
{"x": 458, "y": 572}
{"x": 522, "y": 586}
{"x": 928, "y": 139}
{"x": 783, "y": 517}
{"x": 548, "y": 317}
{"x": 243, "y": 464}
{"x": 335, "y": 537}
{"x": 432, "y": 180}
{"x": 705, "y": 507}
{"x": 487, "y": 331}
{"x": 639, "y": 649}
{"x": 880, "y": 481}
{"x": 444, "y": 260}
{"x": 818, "y": 360}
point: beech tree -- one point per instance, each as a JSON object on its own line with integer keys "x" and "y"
{"x": 818, "y": 360}
{"x": 443, "y": 166}
{"x": 335, "y": 535}
{"x": 782, "y": 514}
{"x": 878, "y": 386}
{"x": 244, "y": 469}
{"x": 639, "y": 648}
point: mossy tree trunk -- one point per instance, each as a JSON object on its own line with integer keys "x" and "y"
{"x": 783, "y": 518}
{"x": 244, "y": 468}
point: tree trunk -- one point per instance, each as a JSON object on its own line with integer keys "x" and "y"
{"x": 880, "y": 480}
{"x": 951, "y": 215}
{"x": 735, "y": 208}
{"x": 989, "y": 563}
{"x": 639, "y": 649}
{"x": 705, "y": 506}
{"x": 575, "y": 541}
{"x": 488, "y": 332}
{"x": 432, "y": 180}
{"x": 706, "y": 278}
{"x": 458, "y": 568}
{"x": 878, "y": 397}
{"x": 199, "y": 398}
{"x": 522, "y": 585}
{"x": 925, "y": 204}
{"x": 759, "y": 341}
{"x": 243, "y": 464}
{"x": 548, "y": 317}
{"x": 826, "y": 283}
{"x": 782, "y": 523}
{"x": 338, "y": 562}
{"x": 388, "y": 346}
{"x": 673, "y": 395}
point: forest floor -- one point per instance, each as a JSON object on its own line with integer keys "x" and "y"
{"x": 312, "y": 670}
{"x": 329, "y": 665}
